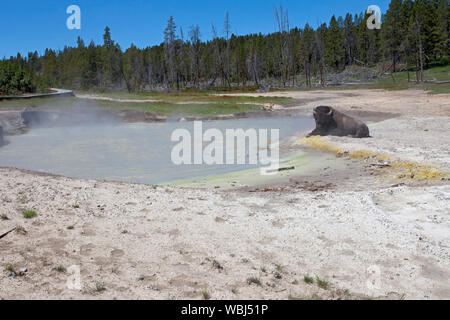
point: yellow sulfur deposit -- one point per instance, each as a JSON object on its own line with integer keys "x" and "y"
{"x": 400, "y": 169}
{"x": 417, "y": 171}
{"x": 319, "y": 143}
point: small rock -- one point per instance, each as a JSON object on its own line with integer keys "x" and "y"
{"x": 217, "y": 265}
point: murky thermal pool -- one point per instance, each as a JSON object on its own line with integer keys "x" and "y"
{"x": 139, "y": 152}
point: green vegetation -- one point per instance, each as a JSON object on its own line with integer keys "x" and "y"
{"x": 308, "y": 279}
{"x": 161, "y": 108}
{"x": 206, "y": 96}
{"x": 434, "y": 74}
{"x": 15, "y": 79}
{"x": 254, "y": 280}
{"x": 206, "y": 295}
{"x": 312, "y": 297}
{"x": 322, "y": 283}
{"x": 413, "y": 36}
{"x": 10, "y": 268}
{"x": 29, "y": 214}
{"x": 441, "y": 73}
{"x": 387, "y": 82}
{"x": 60, "y": 269}
{"x": 188, "y": 109}
{"x": 99, "y": 287}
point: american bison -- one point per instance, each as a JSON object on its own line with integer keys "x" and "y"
{"x": 331, "y": 122}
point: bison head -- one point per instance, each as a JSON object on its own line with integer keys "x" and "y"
{"x": 323, "y": 116}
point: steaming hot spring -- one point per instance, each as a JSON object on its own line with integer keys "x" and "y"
{"x": 95, "y": 145}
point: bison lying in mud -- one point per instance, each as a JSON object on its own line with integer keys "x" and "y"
{"x": 331, "y": 122}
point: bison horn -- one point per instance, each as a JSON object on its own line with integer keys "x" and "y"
{"x": 330, "y": 113}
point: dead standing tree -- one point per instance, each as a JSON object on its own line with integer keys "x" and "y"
{"x": 220, "y": 65}
{"x": 227, "y": 32}
{"x": 282, "y": 23}
{"x": 252, "y": 63}
{"x": 320, "y": 52}
{"x": 419, "y": 54}
{"x": 194, "y": 35}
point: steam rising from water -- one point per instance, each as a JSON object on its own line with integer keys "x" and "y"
{"x": 124, "y": 152}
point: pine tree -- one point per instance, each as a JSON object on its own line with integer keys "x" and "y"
{"x": 443, "y": 24}
{"x": 392, "y": 32}
{"x": 170, "y": 51}
{"x": 334, "y": 46}
{"x": 307, "y": 53}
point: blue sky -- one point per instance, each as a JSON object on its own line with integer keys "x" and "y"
{"x": 29, "y": 25}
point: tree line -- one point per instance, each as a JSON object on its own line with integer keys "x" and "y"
{"x": 413, "y": 36}
{"x": 15, "y": 79}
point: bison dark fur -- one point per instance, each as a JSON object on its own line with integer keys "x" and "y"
{"x": 331, "y": 122}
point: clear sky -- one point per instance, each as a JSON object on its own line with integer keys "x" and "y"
{"x": 28, "y": 25}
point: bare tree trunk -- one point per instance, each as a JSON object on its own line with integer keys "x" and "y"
{"x": 420, "y": 49}
{"x": 282, "y": 21}
{"x": 417, "y": 67}
{"x": 407, "y": 68}
{"x": 421, "y": 60}
{"x": 227, "y": 30}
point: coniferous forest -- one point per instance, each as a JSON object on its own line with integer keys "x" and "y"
{"x": 414, "y": 35}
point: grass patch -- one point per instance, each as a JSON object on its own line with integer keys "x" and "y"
{"x": 206, "y": 295}
{"x": 60, "y": 269}
{"x": 10, "y": 268}
{"x": 168, "y": 109}
{"x": 431, "y": 74}
{"x": 159, "y": 108}
{"x": 99, "y": 287}
{"x": 308, "y": 279}
{"x": 437, "y": 88}
{"x": 194, "y": 96}
{"x": 401, "y": 82}
{"x": 29, "y": 214}
{"x": 313, "y": 297}
{"x": 254, "y": 280}
{"x": 21, "y": 230}
{"x": 322, "y": 283}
